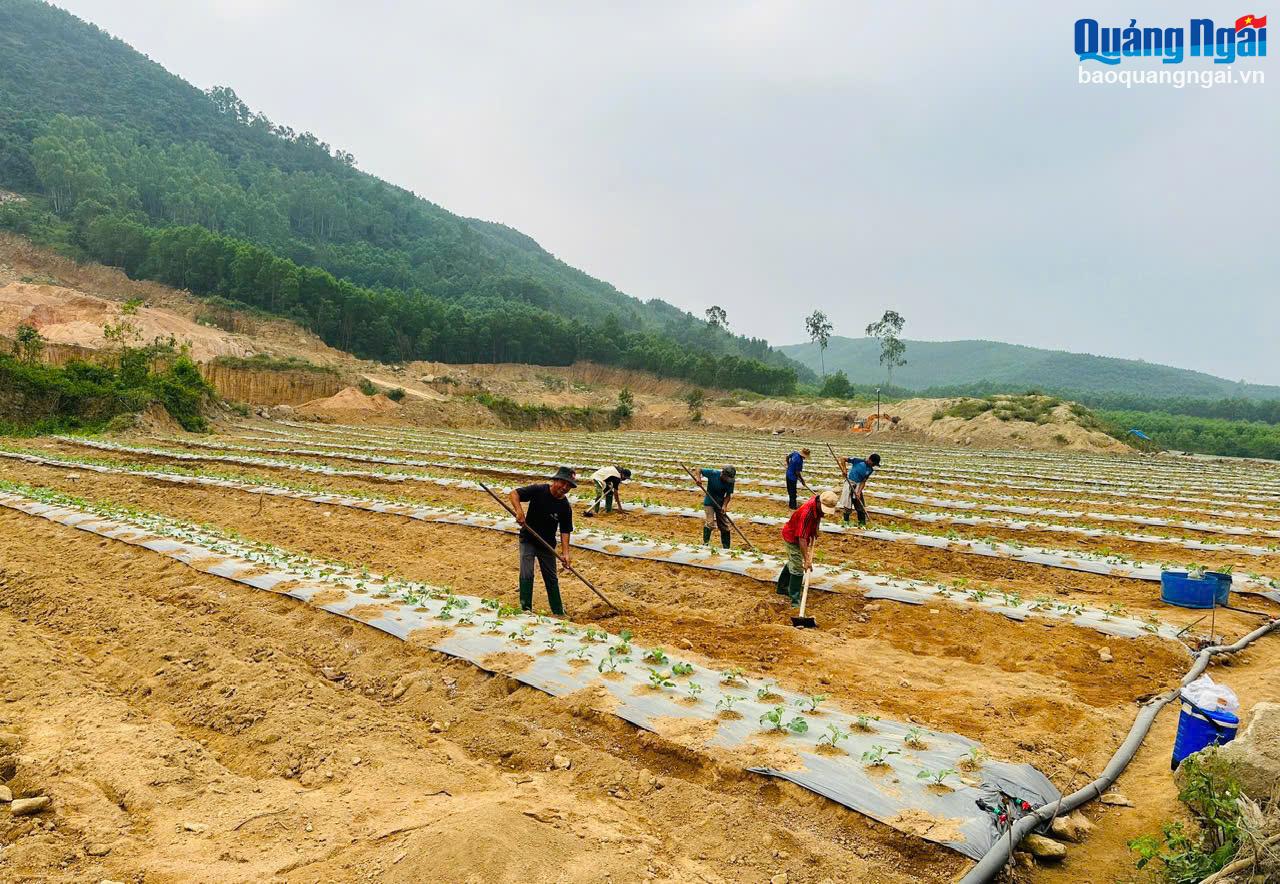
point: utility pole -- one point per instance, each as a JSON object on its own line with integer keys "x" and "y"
{"x": 877, "y": 408}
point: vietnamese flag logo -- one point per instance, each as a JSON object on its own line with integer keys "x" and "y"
{"x": 1250, "y": 21}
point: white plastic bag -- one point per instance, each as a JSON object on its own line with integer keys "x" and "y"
{"x": 1211, "y": 696}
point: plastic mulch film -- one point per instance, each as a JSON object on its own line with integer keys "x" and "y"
{"x": 1092, "y": 563}
{"x": 644, "y": 479}
{"x": 758, "y": 566}
{"x": 537, "y": 652}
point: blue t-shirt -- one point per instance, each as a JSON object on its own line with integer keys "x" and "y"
{"x": 795, "y": 463}
{"x": 859, "y": 471}
{"x": 717, "y": 488}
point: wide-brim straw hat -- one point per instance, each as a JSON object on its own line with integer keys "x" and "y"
{"x": 828, "y": 501}
{"x": 566, "y": 474}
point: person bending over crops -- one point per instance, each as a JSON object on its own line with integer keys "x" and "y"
{"x": 715, "y": 501}
{"x": 857, "y": 471}
{"x": 795, "y": 469}
{"x": 800, "y": 536}
{"x": 548, "y": 512}
{"x": 608, "y": 482}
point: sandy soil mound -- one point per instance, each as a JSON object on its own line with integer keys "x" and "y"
{"x": 67, "y": 316}
{"x": 1060, "y": 433}
{"x": 346, "y": 401}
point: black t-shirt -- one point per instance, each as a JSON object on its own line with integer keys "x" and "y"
{"x": 544, "y": 512}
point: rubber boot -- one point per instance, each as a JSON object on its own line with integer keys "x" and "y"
{"x": 862, "y": 523}
{"x": 526, "y": 594}
{"x": 553, "y": 596}
{"x": 784, "y": 580}
{"x": 608, "y": 502}
{"x": 794, "y": 590}
{"x": 724, "y": 539}
{"x": 706, "y": 535}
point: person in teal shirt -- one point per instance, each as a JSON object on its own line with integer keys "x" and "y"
{"x": 719, "y": 488}
{"x": 858, "y": 472}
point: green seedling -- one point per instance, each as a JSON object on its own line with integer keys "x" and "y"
{"x": 594, "y": 635}
{"x": 659, "y": 679}
{"x": 491, "y": 604}
{"x": 493, "y": 625}
{"x": 766, "y": 690}
{"x": 694, "y": 689}
{"x": 915, "y": 738}
{"x": 934, "y": 776}
{"x": 833, "y": 736}
{"x": 731, "y": 676}
{"x": 863, "y": 722}
{"x": 810, "y": 703}
{"x": 726, "y": 702}
{"x": 611, "y": 662}
{"x": 658, "y": 656}
{"x": 1115, "y": 610}
{"x": 552, "y": 642}
{"x": 775, "y": 720}
{"x": 565, "y": 628}
{"x": 578, "y": 654}
{"x": 974, "y": 760}
{"x": 682, "y": 669}
{"x": 876, "y": 755}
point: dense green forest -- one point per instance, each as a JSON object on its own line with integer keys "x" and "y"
{"x": 1203, "y": 435}
{"x": 133, "y": 166}
{"x": 985, "y": 367}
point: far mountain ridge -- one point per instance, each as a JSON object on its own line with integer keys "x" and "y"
{"x": 933, "y": 364}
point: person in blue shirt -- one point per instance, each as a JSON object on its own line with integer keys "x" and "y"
{"x": 719, "y": 488}
{"x": 857, "y": 471}
{"x": 795, "y": 466}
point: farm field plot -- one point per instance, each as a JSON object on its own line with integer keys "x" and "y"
{"x": 999, "y": 621}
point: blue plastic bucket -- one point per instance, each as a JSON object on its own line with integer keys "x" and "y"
{"x": 1177, "y": 588}
{"x": 1224, "y": 585}
{"x": 1198, "y": 728}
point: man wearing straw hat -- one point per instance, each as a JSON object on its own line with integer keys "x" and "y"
{"x": 548, "y": 512}
{"x": 799, "y": 536}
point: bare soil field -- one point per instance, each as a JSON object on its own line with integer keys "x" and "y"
{"x": 187, "y": 727}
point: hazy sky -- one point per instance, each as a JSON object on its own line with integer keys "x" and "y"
{"x": 776, "y": 157}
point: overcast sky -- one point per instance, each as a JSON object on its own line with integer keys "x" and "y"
{"x": 777, "y": 157}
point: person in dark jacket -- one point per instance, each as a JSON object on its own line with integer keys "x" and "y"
{"x": 795, "y": 469}
{"x": 548, "y": 511}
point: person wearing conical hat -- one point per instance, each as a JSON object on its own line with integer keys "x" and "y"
{"x": 547, "y": 513}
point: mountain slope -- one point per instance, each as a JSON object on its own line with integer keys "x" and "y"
{"x": 1015, "y": 367}
{"x": 100, "y": 130}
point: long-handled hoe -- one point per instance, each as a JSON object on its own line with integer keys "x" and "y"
{"x": 801, "y": 621}
{"x": 502, "y": 503}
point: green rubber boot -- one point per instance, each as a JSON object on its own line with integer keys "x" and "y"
{"x": 706, "y": 535}
{"x": 784, "y": 580}
{"x": 795, "y": 589}
{"x": 553, "y": 597}
{"x": 724, "y": 539}
{"x": 526, "y": 594}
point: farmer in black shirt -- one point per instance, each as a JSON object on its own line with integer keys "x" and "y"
{"x": 549, "y": 510}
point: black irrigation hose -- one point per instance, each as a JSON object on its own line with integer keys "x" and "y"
{"x": 994, "y": 860}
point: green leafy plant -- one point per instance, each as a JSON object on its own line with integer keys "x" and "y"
{"x": 694, "y": 689}
{"x": 935, "y": 777}
{"x": 657, "y": 655}
{"x": 726, "y": 703}
{"x": 659, "y": 679}
{"x": 765, "y": 691}
{"x": 877, "y": 755}
{"x": 732, "y": 675}
{"x": 915, "y": 738}
{"x": 863, "y": 722}
{"x": 1187, "y": 858}
{"x": 810, "y": 703}
{"x": 833, "y": 736}
{"x": 775, "y": 720}
{"x": 681, "y": 669}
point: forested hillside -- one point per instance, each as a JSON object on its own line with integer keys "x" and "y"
{"x": 998, "y": 367}
{"x": 130, "y": 165}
